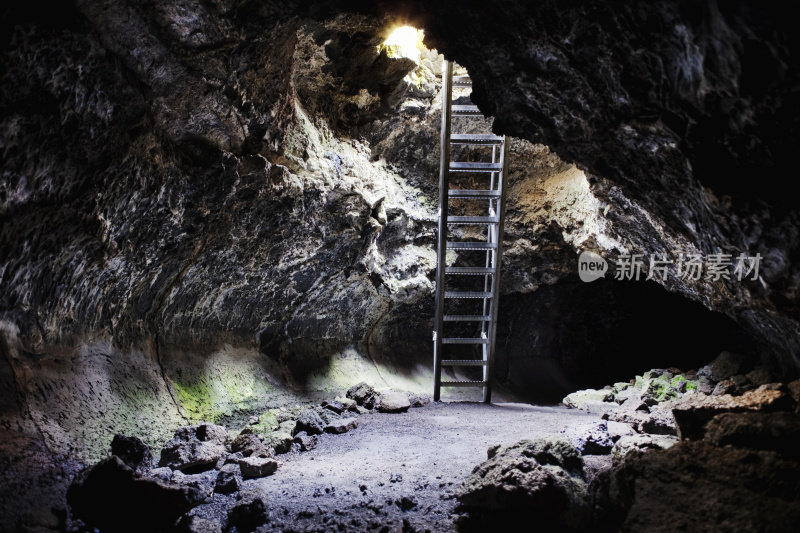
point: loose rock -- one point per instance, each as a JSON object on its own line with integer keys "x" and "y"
{"x": 541, "y": 478}
{"x": 309, "y": 421}
{"x": 195, "y": 448}
{"x": 692, "y": 412}
{"x": 255, "y": 467}
{"x": 249, "y": 512}
{"x": 393, "y": 402}
{"x": 363, "y": 394}
{"x": 227, "y": 479}
{"x": 306, "y": 442}
{"x": 341, "y": 426}
{"x": 132, "y": 451}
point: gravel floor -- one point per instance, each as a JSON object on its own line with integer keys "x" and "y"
{"x": 395, "y": 472}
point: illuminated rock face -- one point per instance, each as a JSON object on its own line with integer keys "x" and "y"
{"x": 218, "y": 199}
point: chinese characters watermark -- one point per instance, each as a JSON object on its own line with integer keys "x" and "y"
{"x": 692, "y": 267}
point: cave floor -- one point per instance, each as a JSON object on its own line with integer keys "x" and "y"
{"x": 395, "y": 472}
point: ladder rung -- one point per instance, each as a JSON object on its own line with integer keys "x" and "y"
{"x": 464, "y": 362}
{"x": 465, "y": 340}
{"x": 472, "y": 245}
{"x": 467, "y": 294}
{"x": 472, "y": 220}
{"x": 462, "y": 81}
{"x": 466, "y": 318}
{"x": 473, "y": 194}
{"x": 475, "y": 138}
{"x": 469, "y": 271}
{"x": 466, "y": 111}
{"x": 463, "y": 384}
{"x": 463, "y": 166}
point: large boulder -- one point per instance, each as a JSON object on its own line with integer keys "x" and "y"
{"x": 309, "y": 421}
{"x": 249, "y": 511}
{"x": 111, "y": 496}
{"x": 133, "y": 452}
{"x": 394, "y": 402}
{"x": 641, "y": 443}
{"x": 724, "y": 366}
{"x": 363, "y": 394}
{"x": 249, "y": 444}
{"x": 343, "y": 425}
{"x": 692, "y": 412}
{"x": 255, "y": 467}
{"x": 778, "y": 431}
{"x": 540, "y": 480}
{"x": 281, "y": 439}
{"x": 195, "y": 448}
{"x": 591, "y": 440}
{"x": 227, "y": 479}
{"x": 697, "y": 486}
{"x": 588, "y": 399}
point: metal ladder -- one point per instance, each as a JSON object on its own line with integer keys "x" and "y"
{"x": 494, "y": 172}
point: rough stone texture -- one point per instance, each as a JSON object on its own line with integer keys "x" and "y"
{"x": 724, "y": 366}
{"x": 692, "y": 412}
{"x": 195, "y": 524}
{"x": 586, "y": 399}
{"x": 248, "y": 512}
{"x": 342, "y": 425}
{"x": 594, "y": 440}
{"x": 696, "y": 486}
{"x": 306, "y": 442}
{"x": 394, "y": 402}
{"x": 110, "y": 496}
{"x": 132, "y": 451}
{"x": 779, "y": 431}
{"x": 363, "y": 394}
{"x": 280, "y": 440}
{"x": 195, "y": 448}
{"x": 541, "y": 478}
{"x": 629, "y": 443}
{"x": 419, "y": 400}
{"x": 249, "y": 444}
{"x": 255, "y": 467}
{"x": 309, "y": 421}
{"x": 227, "y": 479}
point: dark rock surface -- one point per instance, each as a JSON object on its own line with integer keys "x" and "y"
{"x": 694, "y": 411}
{"x": 341, "y": 426}
{"x": 195, "y": 448}
{"x": 309, "y": 421}
{"x": 742, "y": 490}
{"x": 132, "y": 451}
{"x": 227, "y": 479}
{"x": 110, "y": 496}
{"x": 541, "y": 478}
{"x": 363, "y": 394}
{"x": 248, "y": 512}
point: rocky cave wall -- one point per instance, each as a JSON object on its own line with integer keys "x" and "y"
{"x": 206, "y": 205}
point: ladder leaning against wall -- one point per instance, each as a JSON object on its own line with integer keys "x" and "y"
{"x": 479, "y": 248}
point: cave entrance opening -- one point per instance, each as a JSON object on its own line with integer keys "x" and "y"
{"x": 473, "y": 167}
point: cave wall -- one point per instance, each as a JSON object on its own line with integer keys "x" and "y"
{"x": 222, "y": 202}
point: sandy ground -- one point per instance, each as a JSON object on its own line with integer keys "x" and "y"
{"x": 395, "y": 472}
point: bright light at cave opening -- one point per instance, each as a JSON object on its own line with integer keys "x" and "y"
{"x": 404, "y": 41}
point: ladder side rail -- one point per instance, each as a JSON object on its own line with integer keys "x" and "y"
{"x": 501, "y": 184}
{"x": 444, "y": 180}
